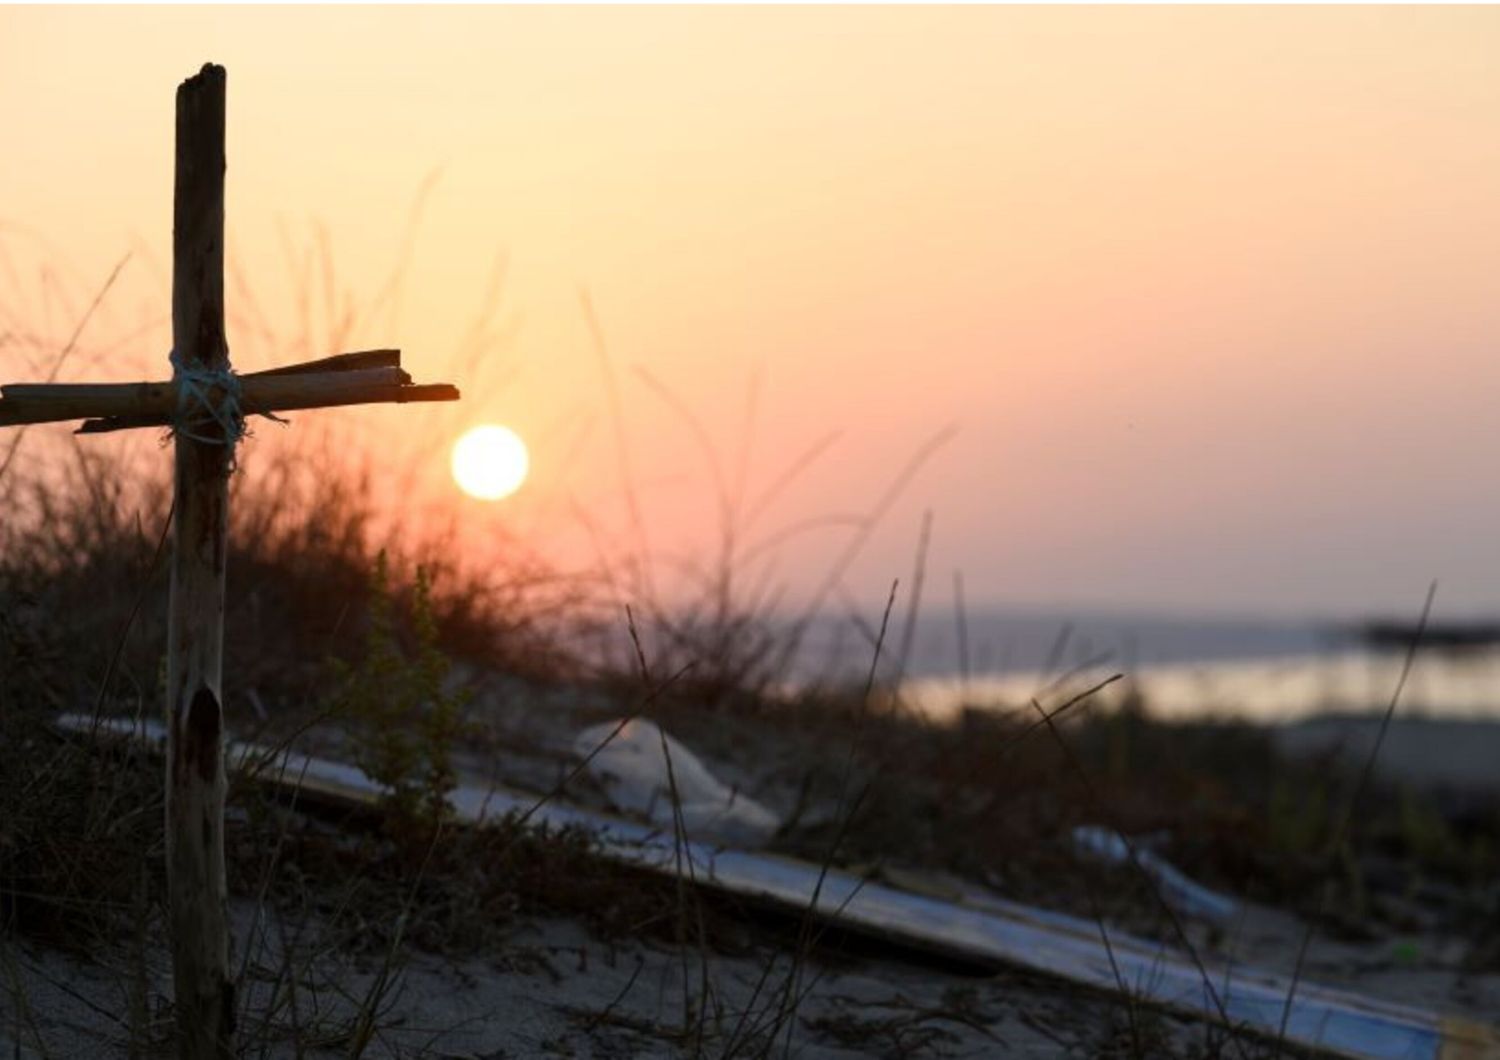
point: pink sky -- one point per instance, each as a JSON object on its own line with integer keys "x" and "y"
{"x": 1209, "y": 293}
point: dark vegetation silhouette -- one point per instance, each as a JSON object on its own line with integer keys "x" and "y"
{"x": 352, "y": 629}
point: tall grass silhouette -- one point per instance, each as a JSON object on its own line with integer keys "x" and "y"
{"x": 866, "y": 784}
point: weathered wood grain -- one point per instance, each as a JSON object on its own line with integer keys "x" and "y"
{"x": 204, "y": 992}
{"x": 121, "y": 405}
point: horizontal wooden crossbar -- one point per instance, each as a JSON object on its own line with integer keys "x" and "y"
{"x": 364, "y": 378}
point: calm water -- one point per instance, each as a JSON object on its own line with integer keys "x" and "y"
{"x": 1269, "y": 671}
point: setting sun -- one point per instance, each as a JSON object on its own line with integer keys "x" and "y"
{"x": 490, "y": 462}
{"x": 891, "y": 367}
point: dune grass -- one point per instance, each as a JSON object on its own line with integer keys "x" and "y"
{"x": 327, "y": 583}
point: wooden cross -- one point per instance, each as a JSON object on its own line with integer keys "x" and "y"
{"x": 205, "y": 404}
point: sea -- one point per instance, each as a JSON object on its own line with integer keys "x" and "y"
{"x": 1263, "y": 670}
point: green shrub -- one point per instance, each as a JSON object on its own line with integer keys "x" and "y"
{"x": 401, "y": 718}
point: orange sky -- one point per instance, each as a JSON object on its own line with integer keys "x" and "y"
{"x": 1210, "y": 293}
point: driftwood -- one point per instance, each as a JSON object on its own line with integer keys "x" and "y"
{"x": 117, "y": 406}
{"x": 195, "y": 625}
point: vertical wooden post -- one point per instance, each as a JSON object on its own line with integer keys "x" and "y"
{"x": 195, "y": 624}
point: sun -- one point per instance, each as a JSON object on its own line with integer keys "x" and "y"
{"x": 490, "y": 462}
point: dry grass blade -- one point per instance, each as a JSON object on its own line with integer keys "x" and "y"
{"x": 1099, "y": 806}
{"x": 913, "y": 601}
{"x": 1341, "y": 831}
{"x": 653, "y": 693}
{"x": 642, "y": 567}
{"x": 844, "y": 814}
{"x": 961, "y": 630}
{"x": 897, "y": 486}
{"x": 135, "y": 610}
{"x": 62, "y": 357}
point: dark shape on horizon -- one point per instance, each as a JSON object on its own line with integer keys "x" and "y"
{"x": 1389, "y": 635}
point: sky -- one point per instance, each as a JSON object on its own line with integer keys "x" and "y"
{"x": 1177, "y": 309}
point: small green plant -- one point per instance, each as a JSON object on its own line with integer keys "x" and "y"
{"x": 402, "y": 719}
{"x": 1297, "y": 816}
{"x": 1425, "y": 836}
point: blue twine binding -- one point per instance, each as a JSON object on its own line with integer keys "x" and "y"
{"x": 195, "y": 409}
